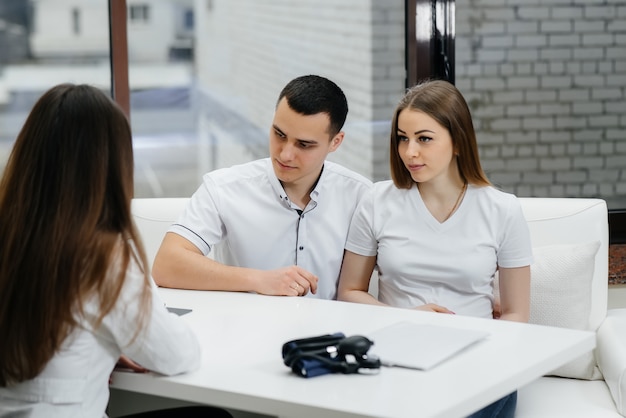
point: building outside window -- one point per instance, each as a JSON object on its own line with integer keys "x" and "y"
{"x": 76, "y": 21}
{"x": 139, "y": 13}
{"x": 44, "y": 43}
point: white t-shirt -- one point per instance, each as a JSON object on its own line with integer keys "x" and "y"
{"x": 245, "y": 213}
{"x": 75, "y": 382}
{"x": 452, "y": 264}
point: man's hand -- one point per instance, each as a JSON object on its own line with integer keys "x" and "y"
{"x": 431, "y": 307}
{"x": 287, "y": 281}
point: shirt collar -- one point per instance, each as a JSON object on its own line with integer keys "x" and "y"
{"x": 278, "y": 187}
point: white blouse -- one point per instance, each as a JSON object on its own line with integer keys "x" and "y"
{"x": 75, "y": 382}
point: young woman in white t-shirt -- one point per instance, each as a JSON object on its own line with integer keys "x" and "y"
{"x": 439, "y": 231}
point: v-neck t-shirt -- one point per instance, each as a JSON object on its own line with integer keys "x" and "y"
{"x": 452, "y": 264}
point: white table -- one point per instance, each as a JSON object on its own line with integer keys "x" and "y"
{"x": 242, "y": 335}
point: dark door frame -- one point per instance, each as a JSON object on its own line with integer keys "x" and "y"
{"x": 429, "y": 40}
{"x": 118, "y": 43}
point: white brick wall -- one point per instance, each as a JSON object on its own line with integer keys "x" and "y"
{"x": 546, "y": 83}
{"x": 246, "y": 51}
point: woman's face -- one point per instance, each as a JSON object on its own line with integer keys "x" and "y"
{"x": 425, "y": 147}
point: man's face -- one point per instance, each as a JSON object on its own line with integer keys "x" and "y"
{"x": 299, "y": 145}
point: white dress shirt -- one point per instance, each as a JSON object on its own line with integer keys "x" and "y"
{"x": 453, "y": 263}
{"x": 245, "y": 213}
{"x": 75, "y": 382}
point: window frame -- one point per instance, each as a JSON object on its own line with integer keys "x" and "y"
{"x": 118, "y": 44}
{"x": 139, "y": 13}
{"x": 434, "y": 17}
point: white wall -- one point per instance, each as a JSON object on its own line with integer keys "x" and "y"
{"x": 545, "y": 81}
{"x": 53, "y": 28}
{"x": 246, "y": 51}
{"x": 148, "y": 41}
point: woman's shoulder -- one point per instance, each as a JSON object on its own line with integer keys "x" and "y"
{"x": 493, "y": 194}
{"x": 387, "y": 187}
{"x": 497, "y": 203}
{"x": 386, "y": 196}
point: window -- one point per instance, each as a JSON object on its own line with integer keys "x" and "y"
{"x": 76, "y": 21}
{"x": 139, "y": 13}
{"x": 212, "y": 107}
{"x": 188, "y": 20}
{"x": 32, "y": 61}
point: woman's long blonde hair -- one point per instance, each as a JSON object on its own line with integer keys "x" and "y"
{"x": 65, "y": 221}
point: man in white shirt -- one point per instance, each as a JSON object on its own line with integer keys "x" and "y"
{"x": 277, "y": 225}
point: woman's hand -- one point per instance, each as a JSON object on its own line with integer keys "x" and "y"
{"x": 126, "y": 364}
{"x": 431, "y": 307}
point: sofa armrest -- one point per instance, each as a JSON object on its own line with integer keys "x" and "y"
{"x": 611, "y": 355}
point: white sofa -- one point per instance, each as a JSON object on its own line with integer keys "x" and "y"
{"x": 570, "y": 285}
{"x": 567, "y": 222}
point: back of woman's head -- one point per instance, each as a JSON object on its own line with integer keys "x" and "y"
{"x": 443, "y": 102}
{"x": 65, "y": 203}
{"x": 73, "y": 160}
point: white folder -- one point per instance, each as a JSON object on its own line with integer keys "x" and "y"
{"x": 420, "y": 346}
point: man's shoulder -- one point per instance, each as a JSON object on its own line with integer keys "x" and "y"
{"x": 240, "y": 173}
{"x": 350, "y": 177}
{"x": 385, "y": 191}
{"x": 385, "y": 186}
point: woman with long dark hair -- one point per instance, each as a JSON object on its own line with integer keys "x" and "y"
{"x": 75, "y": 288}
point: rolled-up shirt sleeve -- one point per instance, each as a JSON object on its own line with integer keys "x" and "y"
{"x": 201, "y": 222}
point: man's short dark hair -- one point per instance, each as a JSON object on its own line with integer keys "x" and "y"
{"x": 313, "y": 94}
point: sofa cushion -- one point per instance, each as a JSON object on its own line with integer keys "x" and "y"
{"x": 566, "y": 221}
{"x": 556, "y": 397}
{"x": 611, "y": 353}
{"x": 561, "y": 288}
{"x": 153, "y": 217}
